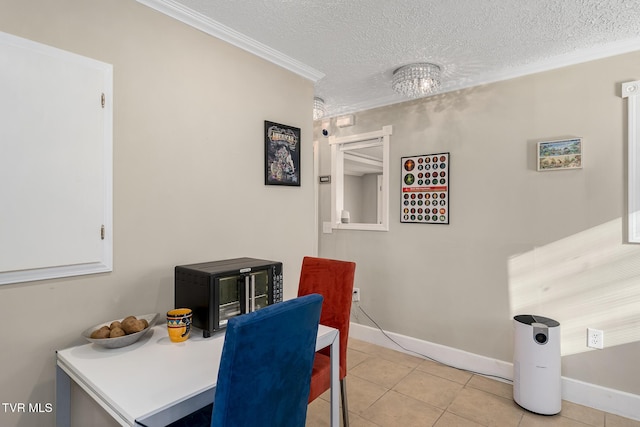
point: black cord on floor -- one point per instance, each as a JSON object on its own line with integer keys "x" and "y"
{"x": 424, "y": 355}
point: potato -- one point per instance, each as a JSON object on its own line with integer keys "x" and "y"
{"x": 115, "y": 324}
{"x": 117, "y": 332}
{"x": 132, "y": 325}
{"x": 128, "y": 318}
{"x": 101, "y": 333}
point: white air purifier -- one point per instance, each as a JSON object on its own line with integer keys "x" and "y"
{"x": 537, "y": 383}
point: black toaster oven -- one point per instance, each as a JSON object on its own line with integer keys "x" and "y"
{"x": 219, "y": 290}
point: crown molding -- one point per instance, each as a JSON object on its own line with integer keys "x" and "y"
{"x": 209, "y": 26}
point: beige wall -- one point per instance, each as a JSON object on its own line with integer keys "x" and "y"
{"x": 460, "y": 284}
{"x": 188, "y": 173}
{"x": 188, "y": 180}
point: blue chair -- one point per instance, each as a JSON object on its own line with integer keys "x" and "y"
{"x": 265, "y": 370}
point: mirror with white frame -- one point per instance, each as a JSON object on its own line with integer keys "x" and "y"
{"x": 360, "y": 184}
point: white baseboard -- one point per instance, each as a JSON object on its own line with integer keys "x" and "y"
{"x": 591, "y": 395}
{"x": 602, "y": 398}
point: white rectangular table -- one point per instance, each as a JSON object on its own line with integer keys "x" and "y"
{"x": 154, "y": 381}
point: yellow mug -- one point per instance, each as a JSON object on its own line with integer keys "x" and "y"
{"x": 179, "y": 324}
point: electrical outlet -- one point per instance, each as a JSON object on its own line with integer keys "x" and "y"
{"x": 326, "y": 227}
{"x": 356, "y": 294}
{"x": 595, "y": 338}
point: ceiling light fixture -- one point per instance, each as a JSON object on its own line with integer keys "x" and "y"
{"x": 416, "y": 80}
{"x": 318, "y": 108}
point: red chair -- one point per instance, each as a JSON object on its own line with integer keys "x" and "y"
{"x": 333, "y": 280}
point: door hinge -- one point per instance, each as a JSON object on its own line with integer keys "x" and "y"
{"x": 102, "y": 100}
{"x": 102, "y": 232}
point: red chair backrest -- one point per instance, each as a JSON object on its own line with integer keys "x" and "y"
{"x": 333, "y": 279}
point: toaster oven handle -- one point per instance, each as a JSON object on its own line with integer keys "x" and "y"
{"x": 253, "y": 292}
{"x": 246, "y": 294}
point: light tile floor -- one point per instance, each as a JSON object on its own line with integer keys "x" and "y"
{"x": 387, "y": 388}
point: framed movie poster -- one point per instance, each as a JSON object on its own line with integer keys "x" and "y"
{"x": 281, "y": 154}
{"x": 425, "y": 189}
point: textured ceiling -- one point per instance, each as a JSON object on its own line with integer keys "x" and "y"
{"x": 357, "y": 44}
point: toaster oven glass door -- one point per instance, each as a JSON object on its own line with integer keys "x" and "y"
{"x": 243, "y": 293}
{"x": 259, "y": 287}
{"x": 229, "y": 291}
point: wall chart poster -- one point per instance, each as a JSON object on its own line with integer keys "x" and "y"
{"x": 425, "y": 189}
{"x": 281, "y": 154}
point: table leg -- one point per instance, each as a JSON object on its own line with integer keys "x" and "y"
{"x": 335, "y": 382}
{"x": 63, "y": 398}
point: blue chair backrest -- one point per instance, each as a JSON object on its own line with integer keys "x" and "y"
{"x": 266, "y": 364}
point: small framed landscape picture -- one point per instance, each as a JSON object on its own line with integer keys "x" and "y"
{"x": 560, "y": 154}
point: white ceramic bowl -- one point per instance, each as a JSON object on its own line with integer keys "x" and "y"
{"x": 124, "y": 340}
